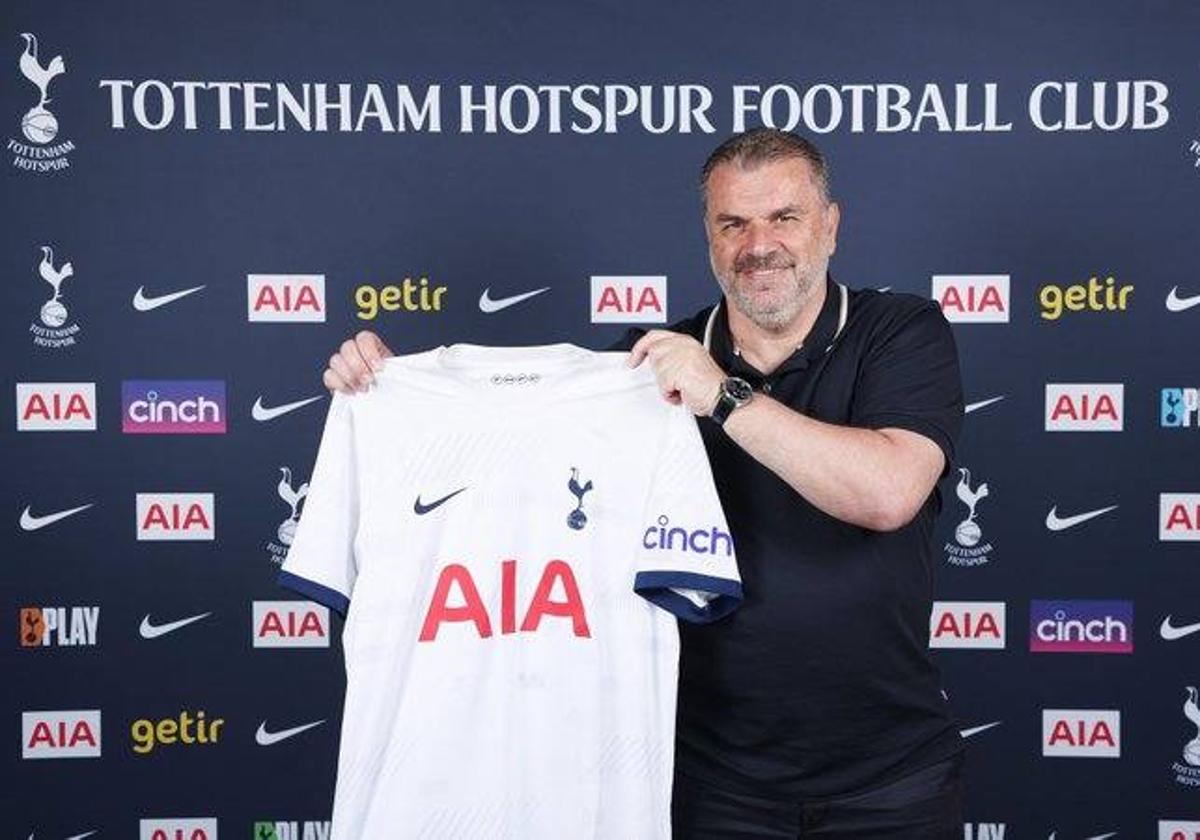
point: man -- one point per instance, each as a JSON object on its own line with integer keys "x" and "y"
{"x": 828, "y": 416}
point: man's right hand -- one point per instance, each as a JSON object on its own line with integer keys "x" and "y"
{"x": 352, "y": 367}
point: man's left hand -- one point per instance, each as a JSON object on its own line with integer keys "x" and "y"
{"x": 686, "y": 373}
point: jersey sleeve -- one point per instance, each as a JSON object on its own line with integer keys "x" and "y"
{"x": 685, "y": 555}
{"x": 320, "y": 564}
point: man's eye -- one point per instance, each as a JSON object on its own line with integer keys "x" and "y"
{"x": 788, "y": 217}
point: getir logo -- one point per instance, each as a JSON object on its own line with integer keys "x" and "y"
{"x": 1093, "y": 296}
{"x": 1081, "y": 733}
{"x": 176, "y": 516}
{"x": 1179, "y": 517}
{"x": 967, "y": 624}
{"x": 291, "y": 830}
{"x": 410, "y": 296}
{"x": 74, "y": 734}
{"x": 286, "y": 297}
{"x": 629, "y": 300}
{"x": 290, "y": 624}
{"x": 59, "y": 626}
{"x": 972, "y": 298}
{"x": 1178, "y": 830}
{"x": 188, "y": 730}
{"x": 173, "y": 407}
{"x": 178, "y": 828}
{"x": 1085, "y": 407}
{"x": 56, "y": 406}
{"x": 1081, "y": 626}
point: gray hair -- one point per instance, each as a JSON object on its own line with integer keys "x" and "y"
{"x": 766, "y": 145}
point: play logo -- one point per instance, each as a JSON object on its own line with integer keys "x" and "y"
{"x": 1081, "y": 627}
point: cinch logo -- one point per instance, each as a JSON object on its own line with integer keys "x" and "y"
{"x": 293, "y": 830}
{"x": 1085, "y": 407}
{"x": 1081, "y": 626}
{"x": 173, "y": 407}
{"x": 74, "y": 734}
{"x": 278, "y": 624}
{"x": 186, "y": 730}
{"x": 1093, "y": 296}
{"x": 286, "y": 297}
{"x": 1178, "y": 830}
{"x": 410, "y": 295}
{"x": 1180, "y": 408}
{"x": 629, "y": 300}
{"x": 700, "y": 541}
{"x": 983, "y": 831}
{"x": 176, "y": 516}
{"x": 59, "y": 626}
{"x": 1081, "y": 733}
{"x": 967, "y": 624}
{"x": 56, "y": 406}
{"x": 1179, "y": 517}
{"x": 178, "y": 828}
{"x": 972, "y": 298}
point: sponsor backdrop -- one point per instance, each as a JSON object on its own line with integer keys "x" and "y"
{"x": 201, "y": 202}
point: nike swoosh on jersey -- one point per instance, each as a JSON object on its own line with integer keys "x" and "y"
{"x": 486, "y": 304}
{"x": 422, "y": 509}
{"x": 1175, "y": 303}
{"x": 1056, "y": 523}
{"x": 262, "y": 413}
{"x": 29, "y": 522}
{"x": 153, "y": 631}
{"x": 975, "y": 406}
{"x": 975, "y": 730}
{"x": 1171, "y": 633}
{"x": 142, "y": 303}
{"x": 266, "y": 739}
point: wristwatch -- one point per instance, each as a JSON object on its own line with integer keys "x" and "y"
{"x": 735, "y": 393}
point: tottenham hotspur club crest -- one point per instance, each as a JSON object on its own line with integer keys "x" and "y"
{"x": 1189, "y": 773}
{"x": 54, "y": 330}
{"x": 286, "y": 532}
{"x": 577, "y": 518}
{"x": 39, "y": 125}
{"x": 968, "y": 548}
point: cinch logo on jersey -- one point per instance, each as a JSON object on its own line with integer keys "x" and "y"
{"x": 178, "y": 828}
{"x": 1081, "y": 407}
{"x": 74, "y": 734}
{"x": 38, "y": 124}
{"x": 54, "y": 330}
{"x": 1081, "y": 626}
{"x": 410, "y": 296}
{"x": 1180, "y": 408}
{"x": 1179, "y": 517}
{"x": 983, "y": 831}
{"x": 967, "y": 624}
{"x": 173, "y": 407}
{"x": 187, "y": 730}
{"x": 291, "y": 830}
{"x": 972, "y": 298}
{"x": 290, "y": 624}
{"x": 664, "y": 537}
{"x": 629, "y": 300}
{"x": 1093, "y": 296}
{"x": 285, "y": 297}
{"x": 1178, "y": 830}
{"x": 176, "y": 516}
{"x": 59, "y": 626}
{"x": 56, "y": 406}
{"x": 1081, "y": 733}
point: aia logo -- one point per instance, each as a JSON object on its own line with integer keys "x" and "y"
{"x": 1081, "y": 733}
{"x": 629, "y": 300}
{"x": 183, "y": 828}
{"x": 972, "y": 298}
{"x": 285, "y": 297}
{"x": 1178, "y": 830}
{"x": 1179, "y": 517}
{"x": 290, "y": 624}
{"x": 176, "y": 516}
{"x": 56, "y": 406}
{"x": 1085, "y": 407}
{"x": 967, "y": 624}
{"x": 73, "y": 734}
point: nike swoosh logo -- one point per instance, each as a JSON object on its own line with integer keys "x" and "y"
{"x": 975, "y": 406}
{"x": 262, "y": 414}
{"x": 153, "y": 631}
{"x": 1093, "y": 837}
{"x": 1171, "y": 633}
{"x": 975, "y": 730}
{"x": 420, "y": 509}
{"x": 1055, "y": 523}
{"x": 142, "y": 303}
{"x": 78, "y": 836}
{"x": 1175, "y": 303}
{"x": 29, "y": 522}
{"x": 266, "y": 739}
{"x": 486, "y": 304}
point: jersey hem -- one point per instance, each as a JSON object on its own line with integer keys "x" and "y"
{"x": 315, "y": 591}
{"x": 658, "y": 587}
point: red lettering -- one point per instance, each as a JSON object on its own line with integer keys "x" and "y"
{"x": 1178, "y": 518}
{"x": 571, "y": 608}
{"x": 440, "y": 611}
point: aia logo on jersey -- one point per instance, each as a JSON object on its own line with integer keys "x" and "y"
{"x": 290, "y": 624}
{"x": 972, "y": 298}
{"x": 629, "y": 300}
{"x": 74, "y": 734}
{"x": 1179, "y": 517}
{"x": 59, "y": 626}
{"x": 286, "y": 297}
{"x": 179, "y": 828}
{"x": 56, "y": 406}
{"x": 176, "y": 516}
{"x": 1081, "y": 733}
{"x": 967, "y": 624}
{"x": 1085, "y": 407}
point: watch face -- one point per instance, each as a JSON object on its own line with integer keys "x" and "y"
{"x": 739, "y": 389}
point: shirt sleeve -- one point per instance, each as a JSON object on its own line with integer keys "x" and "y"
{"x": 685, "y": 557}
{"x": 320, "y": 564}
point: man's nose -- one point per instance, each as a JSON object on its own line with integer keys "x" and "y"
{"x": 760, "y": 239}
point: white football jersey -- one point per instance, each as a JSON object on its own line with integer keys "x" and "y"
{"x": 510, "y": 533}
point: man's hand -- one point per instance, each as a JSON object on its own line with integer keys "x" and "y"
{"x": 686, "y": 373}
{"x": 353, "y": 366}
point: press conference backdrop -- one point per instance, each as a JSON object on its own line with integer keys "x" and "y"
{"x": 202, "y": 200}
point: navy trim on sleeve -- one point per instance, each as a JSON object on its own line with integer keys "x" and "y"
{"x": 315, "y": 591}
{"x": 658, "y": 588}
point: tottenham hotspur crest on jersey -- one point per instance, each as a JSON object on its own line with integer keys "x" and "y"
{"x": 577, "y": 518}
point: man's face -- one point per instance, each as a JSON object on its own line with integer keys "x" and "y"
{"x": 770, "y": 237}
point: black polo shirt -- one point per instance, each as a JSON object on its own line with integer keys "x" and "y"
{"x": 821, "y": 683}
